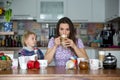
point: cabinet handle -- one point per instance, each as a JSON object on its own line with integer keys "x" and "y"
{"x": 115, "y": 15}
{"x": 82, "y": 20}
{"x": 107, "y": 19}
{"x": 29, "y": 17}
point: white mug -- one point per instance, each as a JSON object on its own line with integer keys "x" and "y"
{"x": 22, "y": 62}
{"x": 43, "y": 64}
{"x": 94, "y": 64}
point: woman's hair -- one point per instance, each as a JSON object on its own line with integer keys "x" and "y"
{"x": 25, "y": 36}
{"x": 71, "y": 27}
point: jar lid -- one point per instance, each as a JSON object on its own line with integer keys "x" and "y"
{"x": 109, "y": 56}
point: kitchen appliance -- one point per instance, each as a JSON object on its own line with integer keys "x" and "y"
{"x": 107, "y": 38}
{"x": 110, "y": 62}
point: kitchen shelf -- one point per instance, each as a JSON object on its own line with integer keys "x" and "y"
{"x": 7, "y": 52}
{"x": 7, "y": 33}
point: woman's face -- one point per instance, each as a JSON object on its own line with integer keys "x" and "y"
{"x": 64, "y": 29}
{"x": 31, "y": 40}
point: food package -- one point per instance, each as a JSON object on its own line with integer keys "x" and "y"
{"x": 71, "y": 63}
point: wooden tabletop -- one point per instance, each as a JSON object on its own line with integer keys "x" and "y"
{"x": 56, "y": 73}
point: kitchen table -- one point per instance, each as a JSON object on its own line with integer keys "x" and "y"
{"x": 60, "y": 73}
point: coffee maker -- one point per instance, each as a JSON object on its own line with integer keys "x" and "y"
{"x": 107, "y": 36}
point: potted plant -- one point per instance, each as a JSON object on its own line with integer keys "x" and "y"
{"x": 7, "y": 16}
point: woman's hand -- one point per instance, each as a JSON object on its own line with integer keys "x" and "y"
{"x": 57, "y": 41}
{"x": 69, "y": 43}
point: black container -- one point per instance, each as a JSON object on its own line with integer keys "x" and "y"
{"x": 107, "y": 36}
{"x": 110, "y": 62}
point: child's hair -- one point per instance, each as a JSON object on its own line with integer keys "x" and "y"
{"x": 25, "y": 36}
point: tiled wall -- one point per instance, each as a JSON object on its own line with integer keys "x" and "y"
{"x": 88, "y": 32}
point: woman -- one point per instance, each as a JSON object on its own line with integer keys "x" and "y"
{"x": 74, "y": 46}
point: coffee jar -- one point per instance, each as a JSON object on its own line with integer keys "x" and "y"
{"x": 83, "y": 65}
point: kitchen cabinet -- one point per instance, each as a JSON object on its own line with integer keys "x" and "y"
{"x": 98, "y": 10}
{"x": 24, "y": 9}
{"x": 53, "y": 10}
{"x": 107, "y": 10}
{"x": 114, "y": 9}
{"x": 111, "y": 9}
{"x": 50, "y": 10}
{"x": 79, "y": 10}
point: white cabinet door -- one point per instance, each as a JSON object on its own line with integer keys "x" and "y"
{"x": 79, "y": 10}
{"x": 50, "y": 10}
{"x": 98, "y": 10}
{"x": 111, "y": 9}
{"x": 24, "y": 9}
{"x": 114, "y": 9}
{"x": 107, "y": 10}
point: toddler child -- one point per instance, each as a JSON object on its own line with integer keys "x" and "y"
{"x": 29, "y": 46}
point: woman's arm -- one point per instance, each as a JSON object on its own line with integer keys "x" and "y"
{"x": 80, "y": 52}
{"x": 49, "y": 55}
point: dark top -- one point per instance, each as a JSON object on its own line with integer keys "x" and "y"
{"x": 25, "y": 52}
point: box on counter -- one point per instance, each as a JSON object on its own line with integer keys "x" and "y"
{"x": 95, "y": 44}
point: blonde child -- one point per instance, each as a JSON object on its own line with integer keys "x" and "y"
{"x": 29, "y": 43}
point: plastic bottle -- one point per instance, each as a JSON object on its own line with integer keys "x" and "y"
{"x": 115, "y": 39}
{"x": 3, "y": 41}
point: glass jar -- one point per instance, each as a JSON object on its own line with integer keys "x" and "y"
{"x": 83, "y": 65}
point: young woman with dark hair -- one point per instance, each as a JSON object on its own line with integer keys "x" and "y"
{"x": 73, "y": 46}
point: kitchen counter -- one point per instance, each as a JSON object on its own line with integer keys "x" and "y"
{"x": 109, "y": 49}
{"x": 103, "y": 49}
{"x": 60, "y": 73}
{"x": 44, "y": 48}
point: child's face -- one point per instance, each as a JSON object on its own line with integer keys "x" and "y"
{"x": 31, "y": 41}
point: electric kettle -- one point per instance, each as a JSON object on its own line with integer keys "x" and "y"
{"x": 110, "y": 62}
